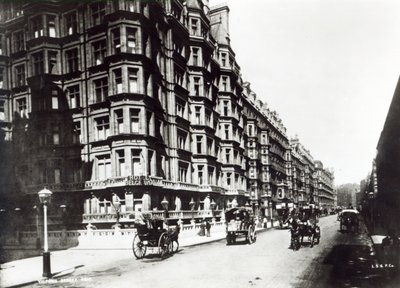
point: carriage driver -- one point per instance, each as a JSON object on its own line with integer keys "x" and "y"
{"x": 305, "y": 218}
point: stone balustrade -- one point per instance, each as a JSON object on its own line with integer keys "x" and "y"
{"x": 130, "y": 216}
{"x": 140, "y": 180}
{"x": 115, "y": 238}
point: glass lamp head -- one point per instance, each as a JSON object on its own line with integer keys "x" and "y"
{"x": 45, "y": 196}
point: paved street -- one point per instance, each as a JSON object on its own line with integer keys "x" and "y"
{"x": 267, "y": 263}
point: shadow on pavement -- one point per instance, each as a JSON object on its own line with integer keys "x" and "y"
{"x": 66, "y": 271}
{"x": 357, "y": 266}
{"x": 238, "y": 243}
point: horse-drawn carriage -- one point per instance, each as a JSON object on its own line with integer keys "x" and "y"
{"x": 282, "y": 216}
{"x": 300, "y": 229}
{"x": 151, "y": 235}
{"x": 240, "y": 222}
{"x": 349, "y": 220}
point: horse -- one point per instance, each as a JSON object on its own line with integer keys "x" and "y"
{"x": 312, "y": 231}
{"x": 349, "y": 221}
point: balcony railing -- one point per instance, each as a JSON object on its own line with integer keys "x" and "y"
{"x": 123, "y": 181}
{"x": 179, "y": 185}
{"x": 131, "y": 216}
{"x": 211, "y": 188}
{"x": 235, "y": 192}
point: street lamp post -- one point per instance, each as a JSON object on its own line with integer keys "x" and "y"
{"x": 44, "y": 197}
{"x": 212, "y": 206}
{"x": 191, "y": 204}
{"x": 270, "y": 213}
{"x": 164, "y": 204}
{"x": 257, "y": 213}
{"x": 63, "y": 208}
{"x": 371, "y": 197}
{"x": 18, "y": 221}
{"x": 36, "y": 209}
{"x": 117, "y": 207}
{"x": 63, "y": 240}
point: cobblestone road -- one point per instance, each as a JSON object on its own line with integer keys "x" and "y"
{"x": 267, "y": 263}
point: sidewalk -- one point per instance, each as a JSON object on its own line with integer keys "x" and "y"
{"x": 29, "y": 271}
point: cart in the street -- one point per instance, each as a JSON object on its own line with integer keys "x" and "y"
{"x": 349, "y": 220}
{"x": 240, "y": 222}
{"x": 282, "y": 215}
{"x": 151, "y": 235}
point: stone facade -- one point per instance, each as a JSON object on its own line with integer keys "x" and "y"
{"x": 119, "y": 105}
{"x": 325, "y": 186}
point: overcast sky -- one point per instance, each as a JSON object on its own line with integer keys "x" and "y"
{"x": 328, "y": 67}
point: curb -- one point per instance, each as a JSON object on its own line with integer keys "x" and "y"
{"x": 205, "y": 242}
{"x": 56, "y": 276}
{"x": 262, "y": 230}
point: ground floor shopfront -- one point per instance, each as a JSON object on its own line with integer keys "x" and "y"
{"x": 103, "y": 203}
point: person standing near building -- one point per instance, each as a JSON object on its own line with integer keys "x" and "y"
{"x": 208, "y": 227}
{"x": 202, "y": 231}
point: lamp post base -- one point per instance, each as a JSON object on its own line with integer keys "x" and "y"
{"x": 46, "y": 265}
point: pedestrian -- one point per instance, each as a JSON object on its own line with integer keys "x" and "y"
{"x": 208, "y": 227}
{"x": 265, "y": 222}
{"x": 202, "y": 228}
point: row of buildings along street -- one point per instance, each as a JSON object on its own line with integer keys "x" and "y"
{"x": 126, "y": 106}
{"x": 379, "y": 195}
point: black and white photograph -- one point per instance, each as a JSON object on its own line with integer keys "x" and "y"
{"x": 200, "y": 143}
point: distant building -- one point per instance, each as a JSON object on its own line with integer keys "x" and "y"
{"x": 303, "y": 168}
{"x": 325, "y": 186}
{"x": 267, "y": 149}
{"x": 346, "y": 194}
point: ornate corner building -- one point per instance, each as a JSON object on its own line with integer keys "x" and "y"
{"x": 135, "y": 102}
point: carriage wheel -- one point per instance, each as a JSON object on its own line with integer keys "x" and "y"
{"x": 163, "y": 245}
{"x": 251, "y": 238}
{"x": 139, "y": 249}
{"x": 228, "y": 239}
{"x": 295, "y": 243}
{"x": 174, "y": 246}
